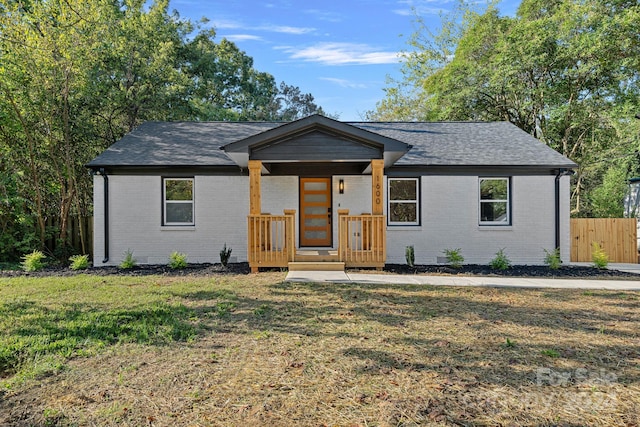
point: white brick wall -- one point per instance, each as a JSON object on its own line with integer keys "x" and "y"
{"x": 277, "y": 194}
{"x": 356, "y": 198}
{"x": 449, "y": 218}
{"x": 135, "y": 205}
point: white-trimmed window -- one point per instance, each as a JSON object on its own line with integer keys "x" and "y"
{"x": 178, "y": 201}
{"x": 403, "y": 206}
{"x": 495, "y": 206}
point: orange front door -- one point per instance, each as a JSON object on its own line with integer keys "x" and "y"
{"x": 315, "y": 211}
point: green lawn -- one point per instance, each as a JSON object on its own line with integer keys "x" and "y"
{"x": 252, "y": 350}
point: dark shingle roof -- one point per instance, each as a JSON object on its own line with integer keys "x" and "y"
{"x": 433, "y": 144}
{"x": 469, "y": 144}
{"x": 178, "y": 144}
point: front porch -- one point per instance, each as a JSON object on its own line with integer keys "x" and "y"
{"x": 361, "y": 239}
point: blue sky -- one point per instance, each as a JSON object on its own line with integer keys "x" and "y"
{"x": 342, "y": 52}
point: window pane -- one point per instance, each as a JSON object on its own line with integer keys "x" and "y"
{"x": 315, "y": 235}
{"x": 493, "y": 189}
{"x": 403, "y": 212}
{"x": 179, "y": 189}
{"x": 493, "y": 212}
{"x": 315, "y": 186}
{"x": 315, "y": 210}
{"x": 316, "y": 222}
{"x": 179, "y": 212}
{"x": 318, "y": 198}
{"x": 403, "y": 189}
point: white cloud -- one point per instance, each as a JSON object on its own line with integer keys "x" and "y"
{"x": 324, "y": 15}
{"x": 226, "y": 24}
{"x": 344, "y": 83}
{"x": 420, "y": 11}
{"x": 343, "y": 54}
{"x": 242, "y": 37}
{"x": 422, "y": 7}
{"x": 229, "y": 24}
{"x": 286, "y": 29}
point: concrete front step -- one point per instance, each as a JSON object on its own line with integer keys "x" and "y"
{"x": 317, "y": 256}
{"x": 316, "y": 266}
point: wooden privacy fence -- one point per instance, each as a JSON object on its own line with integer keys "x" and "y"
{"x": 617, "y": 236}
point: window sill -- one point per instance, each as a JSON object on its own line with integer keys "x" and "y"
{"x": 178, "y": 228}
{"x": 495, "y": 227}
{"x": 412, "y": 227}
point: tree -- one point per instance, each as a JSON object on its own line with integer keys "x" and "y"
{"x": 564, "y": 71}
{"x": 292, "y": 104}
{"x": 76, "y": 75}
{"x": 227, "y": 87}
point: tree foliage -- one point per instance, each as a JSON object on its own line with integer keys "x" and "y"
{"x": 565, "y": 71}
{"x": 76, "y": 75}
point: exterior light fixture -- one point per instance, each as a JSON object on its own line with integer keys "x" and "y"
{"x": 341, "y": 186}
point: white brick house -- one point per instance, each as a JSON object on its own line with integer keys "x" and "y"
{"x": 359, "y": 192}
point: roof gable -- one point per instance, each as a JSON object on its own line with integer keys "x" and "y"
{"x": 316, "y": 138}
{"x": 314, "y": 122}
{"x": 316, "y": 145}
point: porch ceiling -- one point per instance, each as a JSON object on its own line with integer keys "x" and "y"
{"x": 316, "y": 169}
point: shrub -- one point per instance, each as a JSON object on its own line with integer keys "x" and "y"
{"x": 599, "y": 256}
{"x": 79, "y": 262}
{"x": 454, "y": 257}
{"x": 225, "y": 254}
{"x": 409, "y": 256}
{"x": 177, "y": 260}
{"x": 33, "y": 261}
{"x": 552, "y": 258}
{"x": 501, "y": 261}
{"x": 128, "y": 261}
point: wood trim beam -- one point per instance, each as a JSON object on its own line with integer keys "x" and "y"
{"x": 377, "y": 199}
{"x": 255, "y": 170}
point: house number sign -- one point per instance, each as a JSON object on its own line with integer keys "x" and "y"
{"x": 377, "y": 166}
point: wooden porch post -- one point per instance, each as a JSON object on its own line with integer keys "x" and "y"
{"x": 255, "y": 169}
{"x": 377, "y": 171}
{"x": 343, "y": 234}
{"x": 377, "y": 200}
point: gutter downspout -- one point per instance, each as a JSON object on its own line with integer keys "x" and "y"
{"x": 560, "y": 174}
{"x": 106, "y": 214}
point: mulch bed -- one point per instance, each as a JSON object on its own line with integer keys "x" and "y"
{"x": 139, "y": 270}
{"x": 567, "y": 271}
{"x": 243, "y": 268}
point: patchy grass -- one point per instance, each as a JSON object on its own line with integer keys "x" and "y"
{"x": 46, "y": 322}
{"x": 251, "y": 350}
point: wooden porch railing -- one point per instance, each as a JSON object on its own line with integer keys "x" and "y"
{"x": 362, "y": 239}
{"x": 271, "y": 240}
